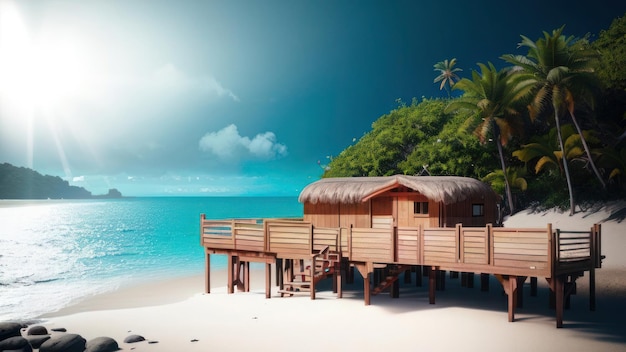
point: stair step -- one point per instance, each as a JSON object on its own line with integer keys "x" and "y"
{"x": 298, "y": 283}
{"x": 287, "y": 292}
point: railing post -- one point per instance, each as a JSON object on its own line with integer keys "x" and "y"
{"x": 552, "y": 250}
{"x": 488, "y": 244}
{"x": 592, "y": 268}
{"x": 394, "y": 242}
{"x": 460, "y": 247}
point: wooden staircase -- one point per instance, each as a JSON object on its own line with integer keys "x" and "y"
{"x": 302, "y": 276}
{"x": 392, "y": 275}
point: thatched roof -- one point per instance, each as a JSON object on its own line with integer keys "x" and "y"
{"x": 446, "y": 189}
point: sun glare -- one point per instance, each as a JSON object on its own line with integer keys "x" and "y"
{"x": 37, "y": 72}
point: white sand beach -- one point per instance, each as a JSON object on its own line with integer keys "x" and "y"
{"x": 175, "y": 315}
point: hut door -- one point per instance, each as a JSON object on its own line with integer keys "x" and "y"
{"x": 383, "y": 212}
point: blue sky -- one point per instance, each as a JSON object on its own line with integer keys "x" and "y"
{"x": 233, "y": 97}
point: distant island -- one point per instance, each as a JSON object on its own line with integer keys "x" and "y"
{"x": 24, "y": 183}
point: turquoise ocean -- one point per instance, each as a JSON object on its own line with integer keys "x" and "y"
{"x": 55, "y": 252}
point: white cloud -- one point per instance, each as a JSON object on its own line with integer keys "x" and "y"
{"x": 78, "y": 179}
{"x": 171, "y": 78}
{"x": 227, "y": 143}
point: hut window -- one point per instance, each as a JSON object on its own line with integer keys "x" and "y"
{"x": 478, "y": 210}
{"x": 420, "y": 207}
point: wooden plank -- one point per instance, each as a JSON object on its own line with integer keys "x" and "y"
{"x": 530, "y": 258}
{"x": 520, "y": 251}
{"x": 541, "y": 246}
{"x": 520, "y": 264}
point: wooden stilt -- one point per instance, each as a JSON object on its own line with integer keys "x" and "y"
{"x": 509, "y": 284}
{"x": 246, "y": 276}
{"x": 338, "y": 281}
{"x": 268, "y": 280}
{"x": 520, "y": 291}
{"x": 484, "y": 282}
{"x": 312, "y": 273}
{"x": 470, "y": 280}
{"x": 207, "y": 270}
{"x": 437, "y": 279}
{"x": 418, "y": 276}
{"x": 279, "y": 273}
{"x": 512, "y": 297}
{"x": 559, "y": 296}
{"x": 407, "y": 276}
{"x": 366, "y": 288}
{"x": 442, "y": 274}
{"x": 463, "y": 279}
{"x": 229, "y": 284}
{"x": 431, "y": 285}
{"x": 592, "y": 287}
{"x": 454, "y": 274}
{"x": 533, "y": 287}
{"x": 395, "y": 289}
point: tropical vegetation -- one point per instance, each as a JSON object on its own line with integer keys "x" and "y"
{"x": 547, "y": 129}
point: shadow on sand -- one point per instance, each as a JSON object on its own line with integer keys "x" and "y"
{"x": 606, "y": 323}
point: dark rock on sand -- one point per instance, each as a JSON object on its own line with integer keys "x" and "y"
{"x": 37, "y": 340}
{"x": 37, "y": 330}
{"x": 102, "y": 344}
{"x": 8, "y": 329}
{"x": 59, "y": 329}
{"x": 64, "y": 343}
{"x": 15, "y": 344}
{"x": 134, "y": 338}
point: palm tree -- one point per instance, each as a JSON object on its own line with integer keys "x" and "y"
{"x": 495, "y": 97}
{"x": 447, "y": 74}
{"x": 546, "y": 152}
{"x": 562, "y": 70}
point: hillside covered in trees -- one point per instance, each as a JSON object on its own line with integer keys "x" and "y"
{"x": 547, "y": 129}
{"x": 24, "y": 183}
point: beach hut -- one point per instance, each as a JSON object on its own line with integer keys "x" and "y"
{"x": 399, "y": 201}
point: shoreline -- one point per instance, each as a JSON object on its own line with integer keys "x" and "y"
{"x": 174, "y": 314}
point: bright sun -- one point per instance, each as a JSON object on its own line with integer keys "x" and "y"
{"x": 37, "y": 72}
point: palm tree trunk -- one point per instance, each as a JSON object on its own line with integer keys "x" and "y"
{"x": 584, "y": 142}
{"x": 564, "y": 159}
{"x": 507, "y": 186}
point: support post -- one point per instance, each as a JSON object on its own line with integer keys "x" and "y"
{"x": 395, "y": 289}
{"x": 268, "y": 280}
{"x": 432, "y": 282}
{"x": 207, "y": 270}
{"x": 418, "y": 276}
{"x": 312, "y": 273}
{"x": 246, "y": 276}
{"x": 533, "y": 287}
{"x": 512, "y": 297}
{"x": 229, "y": 284}
{"x": 509, "y": 284}
{"x": 366, "y": 288}
{"x": 559, "y": 295}
{"x": 520, "y": 291}
{"x": 338, "y": 280}
{"x": 484, "y": 282}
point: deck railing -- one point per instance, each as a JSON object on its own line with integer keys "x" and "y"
{"x": 516, "y": 251}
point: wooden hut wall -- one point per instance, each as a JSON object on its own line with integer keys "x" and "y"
{"x": 355, "y": 215}
{"x": 462, "y": 212}
{"x": 383, "y": 206}
{"x": 407, "y": 216}
{"x": 322, "y": 214}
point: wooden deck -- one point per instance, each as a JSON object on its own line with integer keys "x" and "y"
{"x": 510, "y": 254}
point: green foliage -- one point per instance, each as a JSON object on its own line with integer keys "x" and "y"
{"x": 611, "y": 44}
{"x": 410, "y": 138}
{"x": 515, "y": 177}
{"x": 557, "y": 80}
